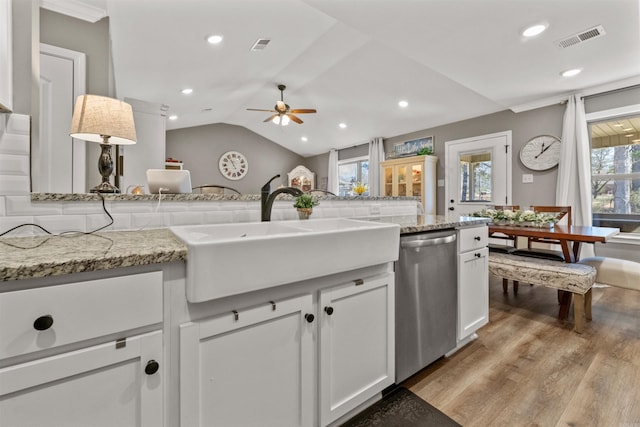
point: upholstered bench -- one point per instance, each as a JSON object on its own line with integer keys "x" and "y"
{"x": 577, "y": 279}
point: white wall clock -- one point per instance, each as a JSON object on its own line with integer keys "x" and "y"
{"x": 541, "y": 152}
{"x": 233, "y": 165}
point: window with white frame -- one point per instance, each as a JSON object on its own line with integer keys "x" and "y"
{"x": 351, "y": 172}
{"x": 615, "y": 172}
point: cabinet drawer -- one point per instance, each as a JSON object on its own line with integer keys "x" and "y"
{"x": 48, "y": 317}
{"x": 473, "y": 238}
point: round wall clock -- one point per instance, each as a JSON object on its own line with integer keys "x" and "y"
{"x": 541, "y": 152}
{"x": 233, "y": 165}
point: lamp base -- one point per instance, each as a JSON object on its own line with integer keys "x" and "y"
{"x": 105, "y": 187}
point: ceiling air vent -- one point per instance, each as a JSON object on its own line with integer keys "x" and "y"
{"x": 583, "y": 36}
{"x": 260, "y": 44}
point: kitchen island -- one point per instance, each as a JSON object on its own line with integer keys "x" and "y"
{"x": 114, "y": 303}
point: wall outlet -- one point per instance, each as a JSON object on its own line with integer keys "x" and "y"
{"x": 374, "y": 210}
{"x": 527, "y": 178}
{"x": 441, "y": 183}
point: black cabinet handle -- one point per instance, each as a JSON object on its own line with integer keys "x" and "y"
{"x": 328, "y": 310}
{"x": 152, "y": 367}
{"x": 477, "y": 238}
{"x": 309, "y": 317}
{"x": 452, "y": 208}
{"x": 43, "y": 323}
{"x": 478, "y": 255}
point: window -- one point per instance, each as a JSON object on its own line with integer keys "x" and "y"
{"x": 615, "y": 173}
{"x": 350, "y": 172}
{"x": 475, "y": 177}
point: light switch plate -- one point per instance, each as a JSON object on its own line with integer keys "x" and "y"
{"x": 441, "y": 183}
{"x": 527, "y": 178}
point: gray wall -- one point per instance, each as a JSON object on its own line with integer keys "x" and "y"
{"x": 524, "y": 126}
{"x": 200, "y": 149}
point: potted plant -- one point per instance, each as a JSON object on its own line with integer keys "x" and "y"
{"x": 305, "y": 203}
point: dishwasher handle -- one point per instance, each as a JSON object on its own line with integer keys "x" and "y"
{"x": 421, "y": 243}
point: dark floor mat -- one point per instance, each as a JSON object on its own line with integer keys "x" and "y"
{"x": 401, "y": 408}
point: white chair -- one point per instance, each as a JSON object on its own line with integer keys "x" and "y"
{"x": 615, "y": 272}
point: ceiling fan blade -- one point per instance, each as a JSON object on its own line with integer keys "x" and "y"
{"x": 258, "y": 109}
{"x": 303, "y": 110}
{"x": 294, "y": 118}
{"x": 268, "y": 119}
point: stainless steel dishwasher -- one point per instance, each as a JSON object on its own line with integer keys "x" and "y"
{"x": 426, "y": 300}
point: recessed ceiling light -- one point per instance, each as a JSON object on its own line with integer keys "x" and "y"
{"x": 304, "y": 139}
{"x": 343, "y": 125}
{"x": 403, "y": 104}
{"x": 187, "y": 91}
{"x": 534, "y": 30}
{"x": 214, "y": 39}
{"x": 173, "y": 117}
{"x": 572, "y": 72}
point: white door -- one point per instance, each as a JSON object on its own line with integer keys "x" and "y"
{"x": 478, "y": 173}
{"x": 58, "y": 162}
{"x": 253, "y": 367}
{"x": 357, "y": 345}
{"x": 105, "y": 385}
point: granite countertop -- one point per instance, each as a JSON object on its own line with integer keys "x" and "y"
{"x": 44, "y": 255}
{"x": 424, "y": 223}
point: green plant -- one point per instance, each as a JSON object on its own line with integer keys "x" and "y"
{"x": 305, "y": 201}
{"x": 425, "y": 151}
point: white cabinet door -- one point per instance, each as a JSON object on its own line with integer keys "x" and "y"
{"x": 104, "y": 385}
{"x": 473, "y": 291}
{"x": 6, "y": 58}
{"x": 252, "y": 367}
{"x": 357, "y": 346}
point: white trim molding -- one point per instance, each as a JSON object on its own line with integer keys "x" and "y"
{"x": 75, "y": 9}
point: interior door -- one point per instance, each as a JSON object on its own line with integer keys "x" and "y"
{"x": 62, "y": 79}
{"x": 478, "y": 173}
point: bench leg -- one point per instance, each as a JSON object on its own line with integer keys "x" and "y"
{"x": 505, "y": 286}
{"x": 579, "y": 312}
{"x": 587, "y": 304}
{"x": 515, "y": 287}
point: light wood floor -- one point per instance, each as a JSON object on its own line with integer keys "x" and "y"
{"x": 528, "y": 369}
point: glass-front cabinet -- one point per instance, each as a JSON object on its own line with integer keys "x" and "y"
{"x": 411, "y": 177}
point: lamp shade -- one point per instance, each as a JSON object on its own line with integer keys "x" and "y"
{"x": 96, "y": 117}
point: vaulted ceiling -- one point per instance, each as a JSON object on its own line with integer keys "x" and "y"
{"x": 353, "y": 60}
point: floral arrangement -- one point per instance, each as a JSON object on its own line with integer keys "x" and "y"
{"x": 359, "y": 188}
{"x": 522, "y": 218}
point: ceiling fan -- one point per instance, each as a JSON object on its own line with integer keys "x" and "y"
{"x": 283, "y": 113}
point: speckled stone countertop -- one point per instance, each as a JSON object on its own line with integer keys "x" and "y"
{"x": 44, "y": 255}
{"x": 422, "y": 223}
{"x": 92, "y": 197}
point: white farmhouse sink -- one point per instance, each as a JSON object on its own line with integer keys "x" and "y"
{"x": 230, "y": 259}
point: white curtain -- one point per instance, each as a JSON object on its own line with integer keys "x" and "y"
{"x": 332, "y": 180}
{"x": 376, "y": 155}
{"x": 574, "y": 170}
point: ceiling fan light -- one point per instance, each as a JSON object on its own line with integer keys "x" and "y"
{"x": 281, "y": 120}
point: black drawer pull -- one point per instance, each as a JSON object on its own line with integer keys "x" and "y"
{"x": 152, "y": 367}
{"x": 477, "y": 238}
{"x": 309, "y": 317}
{"x": 328, "y": 310}
{"x": 43, "y": 323}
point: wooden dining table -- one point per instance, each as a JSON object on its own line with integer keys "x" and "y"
{"x": 570, "y": 238}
